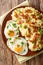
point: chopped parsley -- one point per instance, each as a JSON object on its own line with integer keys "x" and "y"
{"x": 15, "y": 20}
{"x": 9, "y": 38}
{"x": 24, "y": 50}
{"x": 17, "y": 37}
{"x": 18, "y": 45}
{"x": 20, "y": 11}
{"x": 39, "y": 40}
{"x": 14, "y": 25}
{"x": 42, "y": 19}
{"x": 41, "y": 31}
{"x": 22, "y": 43}
{"x": 7, "y": 26}
{"x": 17, "y": 33}
{"x": 12, "y": 42}
{"x": 21, "y": 26}
{"x": 33, "y": 42}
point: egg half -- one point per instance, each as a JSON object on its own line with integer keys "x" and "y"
{"x": 11, "y": 29}
{"x": 18, "y": 45}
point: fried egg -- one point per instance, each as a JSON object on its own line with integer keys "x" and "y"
{"x": 11, "y": 29}
{"x": 18, "y": 45}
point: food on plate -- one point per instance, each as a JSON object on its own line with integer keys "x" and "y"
{"x": 11, "y": 29}
{"x": 18, "y": 45}
{"x": 35, "y": 42}
{"x": 25, "y": 31}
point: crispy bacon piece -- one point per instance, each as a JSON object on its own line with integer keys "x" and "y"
{"x": 41, "y": 39}
{"x": 34, "y": 16}
{"x": 26, "y": 16}
{"x": 38, "y": 12}
{"x": 29, "y": 11}
{"x": 35, "y": 38}
{"x": 16, "y": 15}
{"x": 35, "y": 46}
{"x": 20, "y": 22}
{"x": 40, "y": 17}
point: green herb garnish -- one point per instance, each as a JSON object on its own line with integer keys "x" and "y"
{"x": 42, "y": 19}
{"x": 9, "y": 38}
{"x": 18, "y": 45}
{"x": 33, "y": 42}
{"x": 39, "y": 40}
{"x": 14, "y": 25}
{"x": 24, "y": 50}
{"x": 21, "y": 26}
{"x": 17, "y": 33}
{"x": 22, "y": 43}
{"x": 12, "y": 42}
{"x": 20, "y": 11}
{"x": 7, "y": 26}
{"x": 15, "y": 20}
{"x": 41, "y": 31}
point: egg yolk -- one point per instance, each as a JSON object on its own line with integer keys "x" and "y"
{"x": 11, "y": 33}
{"x": 18, "y": 49}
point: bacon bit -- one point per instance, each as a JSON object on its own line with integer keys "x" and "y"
{"x": 35, "y": 38}
{"x": 38, "y": 12}
{"x": 29, "y": 11}
{"x": 35, "y": 29}
{"x": 34, "y": 16}
{"x": 28, "y": 36}
{"x": 42, "y": 39}
{"x": 22, "y": 14}
{"x": 40, "y": 17}
{"x": 27, "y": 20}
{"x": 26, "y": 16}
{"x": 35, "y": 46}
{"x": 31, "y": 23}
{"x": 42, "y": 24}
{"x": 20, "y": 22}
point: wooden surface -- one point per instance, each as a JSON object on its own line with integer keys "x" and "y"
{"x": 6, "y": 57}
